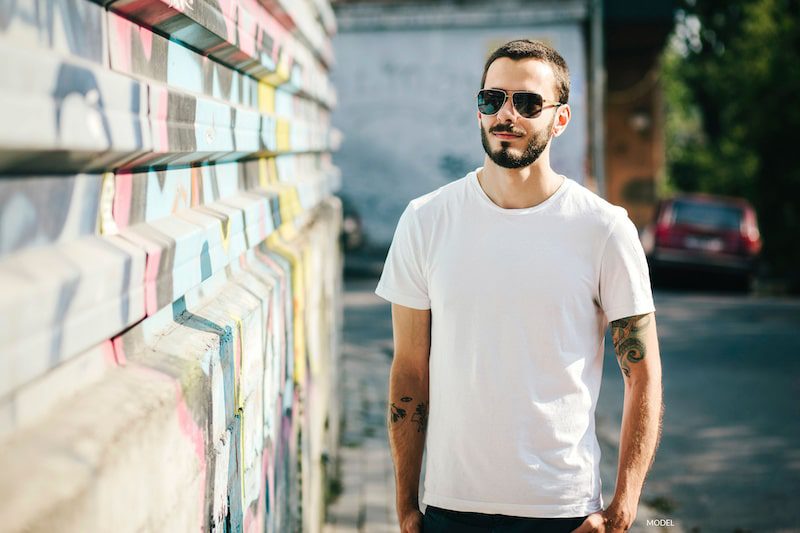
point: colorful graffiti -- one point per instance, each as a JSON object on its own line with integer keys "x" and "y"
{"x": 169, "y": 265}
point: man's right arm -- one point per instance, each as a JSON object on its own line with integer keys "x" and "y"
{"x": 407, "y": 413}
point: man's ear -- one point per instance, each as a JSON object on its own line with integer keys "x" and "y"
{"x": 562, "y": 119}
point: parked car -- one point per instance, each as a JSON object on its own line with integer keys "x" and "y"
{"x": 703, "y": 233}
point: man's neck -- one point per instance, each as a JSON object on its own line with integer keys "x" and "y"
{"x": 518, "y": 188}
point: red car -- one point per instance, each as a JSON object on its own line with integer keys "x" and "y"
{"x": 704, "y": 233}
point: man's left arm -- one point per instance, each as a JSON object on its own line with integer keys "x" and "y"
{"x": 636, "y": 347}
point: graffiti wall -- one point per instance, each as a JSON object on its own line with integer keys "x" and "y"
{"x": 170, "y": 266}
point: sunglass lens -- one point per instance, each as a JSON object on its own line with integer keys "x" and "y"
{"x": 489, "y": 101}
{"x": 528, "y": 104}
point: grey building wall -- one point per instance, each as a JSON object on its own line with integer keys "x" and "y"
{"x": 406, "y": 110}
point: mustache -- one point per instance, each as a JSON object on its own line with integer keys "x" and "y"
{"x": 505, "y": 128}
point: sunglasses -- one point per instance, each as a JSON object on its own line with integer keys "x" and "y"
{"x": 527, "y": 104}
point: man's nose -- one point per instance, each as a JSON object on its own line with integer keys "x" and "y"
{"x": 507, "y": 113}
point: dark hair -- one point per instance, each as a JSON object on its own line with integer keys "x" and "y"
{"x": 527, "y": 48}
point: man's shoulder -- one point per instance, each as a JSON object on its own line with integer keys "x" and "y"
{"x": 585, "y": 202}
{"x": 439, "y": 199}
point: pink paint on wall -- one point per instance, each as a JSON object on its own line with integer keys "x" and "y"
{"x": 279, "y": 36}
{"x": 277, "y": 10}
{"x": 195, "y": 434}
{"x": 146, "y": 38}
{"x": 253, "y": 519}
{"x": 161, "y": 119}
{"x": 119, "y": 351}
{"x": 108, "y": 353}
{"x": 151, "y": 280}
{"x": 197, "y": 179}
{"x": 228, "y": 8}
{"x": 248, "y": 27}
{"x": 158, "y": 12}
{"x": 267, "y": 492}
{"x": 121, "y": 211}
{"x": 267, "y": 500}
{"x": 121, "y": 42}
{"x": 262, "y": 220}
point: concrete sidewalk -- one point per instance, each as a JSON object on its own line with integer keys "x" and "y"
{"x": 367, "y": 499}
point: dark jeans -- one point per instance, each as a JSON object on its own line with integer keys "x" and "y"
{"x": 438, "y": 520}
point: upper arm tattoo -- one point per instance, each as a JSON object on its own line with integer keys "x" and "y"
{"x": 628, "y": 336}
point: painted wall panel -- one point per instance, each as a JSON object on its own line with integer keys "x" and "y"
{"x": 72, "y": 27}
{"x": 42, "y": 210}
{"x": 170, "y": 265}
{"x": 68, "y": 115}
{"x": 66, "y": 298}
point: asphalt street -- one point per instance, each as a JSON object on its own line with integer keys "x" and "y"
{"x": 729, "y": 457}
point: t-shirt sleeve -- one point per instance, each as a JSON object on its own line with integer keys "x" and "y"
{"x": 404, "y": 277}
{"x": 624, "y": 277}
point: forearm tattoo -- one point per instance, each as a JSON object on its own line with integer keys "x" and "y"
{"x": 628, "y": 336}
{"x": 398, "y": 413}
{"x": 420, "y": 415}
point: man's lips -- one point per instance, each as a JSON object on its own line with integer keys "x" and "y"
{"x": 504, "y": 135}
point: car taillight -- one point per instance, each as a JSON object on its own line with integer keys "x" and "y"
{"x": 664, "y": 230}
{"x": 748, "y": 232}
{"x": 662, "y": 233}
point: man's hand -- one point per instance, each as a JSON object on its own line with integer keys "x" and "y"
{"x": 616, "y": 518}
{"x": 411, "y": 522}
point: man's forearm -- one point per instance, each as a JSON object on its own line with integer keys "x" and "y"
{"x": 639, "y": 437}
{"x": 407, "y": 420}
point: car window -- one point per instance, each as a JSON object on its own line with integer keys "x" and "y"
{"x": 705, "y": 214}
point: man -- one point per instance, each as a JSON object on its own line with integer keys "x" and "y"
{"x": 502, "y": 285}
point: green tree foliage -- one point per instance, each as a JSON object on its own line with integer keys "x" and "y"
{"x": 731, "y": 80}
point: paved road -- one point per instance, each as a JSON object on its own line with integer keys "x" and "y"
{"x": 730, "y": 452}
{"x": 366, "y": 504}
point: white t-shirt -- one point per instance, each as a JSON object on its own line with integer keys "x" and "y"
{"x": 520, "y": 300}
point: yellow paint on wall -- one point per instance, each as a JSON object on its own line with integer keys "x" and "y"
{"x": 282, "y": 134}
{"x": 283, "y": 70}
{"x": 263, "y": 172}
{"x": 225, "y": 228}
{"x": 272, "y": 166}
{"x": 297, "y": 207}
{"x": 241, "y": 451}
{"x": 300, "y": 330}
{"x": 283, "y": 203}
{"x": 293, "y": 255}
{"x": 237, "y": 359}
{"x": 288, "y": 231}
{"x": 266, "y": 98}
{"x": 105, "y": 215}
{"x": 309, "y": 276}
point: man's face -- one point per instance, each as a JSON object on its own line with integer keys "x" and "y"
{"x": 510, "y": 140}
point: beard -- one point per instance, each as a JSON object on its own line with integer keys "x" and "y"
{"x": 505, "y": 158}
